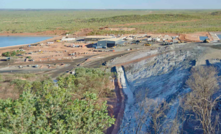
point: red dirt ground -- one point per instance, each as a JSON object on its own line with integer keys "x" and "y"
{"x": 118, "y": 109}
{"x": 194, "y": 37}
{"x": 119, "y": 29}
{"x": 83, "y": 32}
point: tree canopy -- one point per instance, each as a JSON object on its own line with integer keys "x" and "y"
{"x": 45, "y": 108}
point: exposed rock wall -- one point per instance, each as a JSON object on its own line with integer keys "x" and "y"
{"x": 162, "y": 78}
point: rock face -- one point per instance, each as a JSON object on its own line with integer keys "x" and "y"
{"x": 126, "y": 88}
{"x": 160, "y": 78}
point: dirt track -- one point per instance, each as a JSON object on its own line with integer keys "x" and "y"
{"x": 118, "y": 110}
{"x": 68, "y": 68}
{"x": 53, "y": 72}
{"x": 56, "y": 72}
{"x": 98, "y": 63}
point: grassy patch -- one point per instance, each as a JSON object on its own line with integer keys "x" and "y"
{"x": 143, "y": 18}
{"x": 74, "y": 20}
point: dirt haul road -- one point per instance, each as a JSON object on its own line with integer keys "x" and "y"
{"x": 52, "y": 72}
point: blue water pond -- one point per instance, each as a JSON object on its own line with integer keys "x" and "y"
{"x": 17, "y": 40}
{"x": 219, "y": 35}
{"x": 203, "y": 38}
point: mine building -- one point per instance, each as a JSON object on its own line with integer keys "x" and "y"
{"x": 105, "y": 43}
{"x": 97, "y": 38}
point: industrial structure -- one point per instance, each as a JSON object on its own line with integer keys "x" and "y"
{"x": 67, "y": 39}
{"x": 109, "y": 42}
{"x": 97, "y": 38}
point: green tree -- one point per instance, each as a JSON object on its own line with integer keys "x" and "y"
{"x": 36, "y": 85}
{"x": 52, "y": 110}
{"x": 6, "y": 54}
{"x": 13, "y": 53}
{"x": 29, "y": 57}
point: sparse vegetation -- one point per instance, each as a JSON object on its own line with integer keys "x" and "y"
{"x": 202, "y": 100}
{"x": 87, "y": 80}
{"x": 14, "y": 84}
{"x": 74, "y": 20}
{"x": 12, "y": 53}
{"x": 21, "y": 85}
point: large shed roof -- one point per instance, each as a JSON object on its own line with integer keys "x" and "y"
{"x": 112, "y": 39}
{"x": 90, "y": 37}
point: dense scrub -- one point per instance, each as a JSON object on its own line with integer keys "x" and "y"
{"x": 216, "y": 13}
{"x": 75, "y": 105}
{"x": 52, "y": 110}
{"x": 144, "y": 18}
